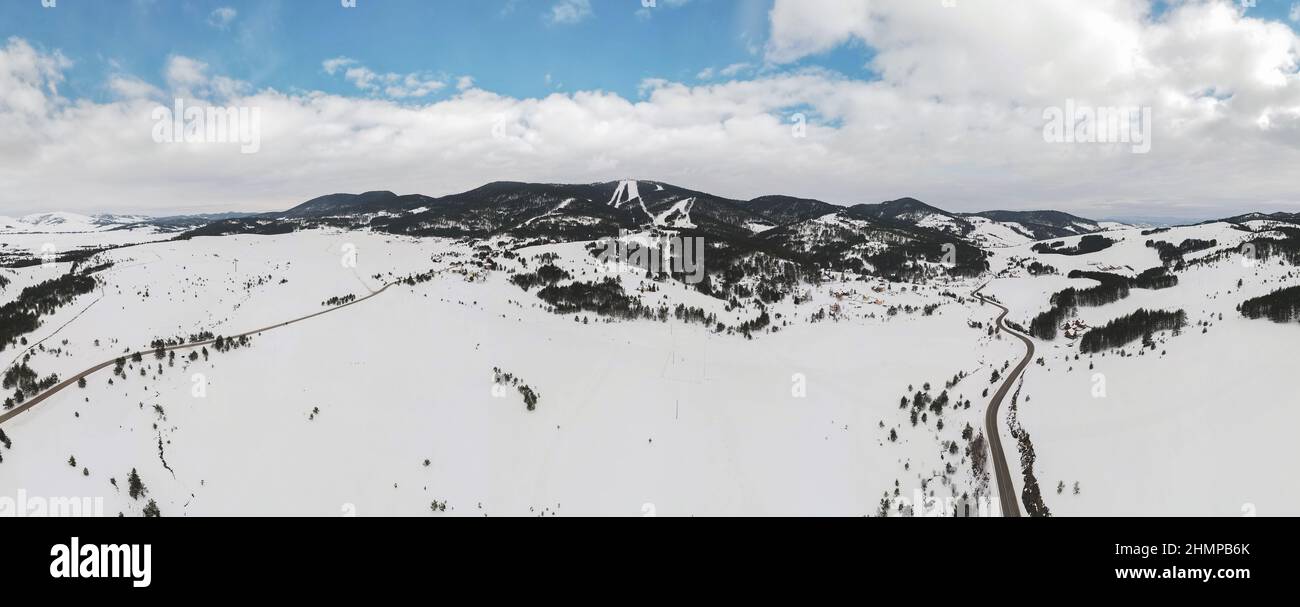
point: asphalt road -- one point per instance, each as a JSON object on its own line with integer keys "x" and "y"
{"x": 36, "y": 400}
{"x": 1006, "y": 489}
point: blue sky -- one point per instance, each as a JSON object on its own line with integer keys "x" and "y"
{"x": 901, "y": 98}
{"x": 507, "y": 46}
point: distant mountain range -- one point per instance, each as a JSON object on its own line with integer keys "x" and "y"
{"x": 588, "y": 211}
{"x": 66, "y": 223}
{"x": 558, "y": 212}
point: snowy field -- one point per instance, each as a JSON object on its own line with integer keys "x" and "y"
{"x": 338, "y": 414}
{"x": 395, "y": 403}
{"x": 1200, "y": 426}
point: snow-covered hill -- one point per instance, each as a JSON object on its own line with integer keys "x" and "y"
{"x": 62, "y": 223}
{"x": 340, "y": 413}
{"x": 481, "y": 351}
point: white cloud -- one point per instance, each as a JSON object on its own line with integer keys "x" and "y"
{"x": 396, "y": 86}
{"x": 645, "y": 12}
{"x": 333, "y": 65}
{"x": 730, "y": 71}
{"x": 222, "y": 17}
{"x": 955, "y": 119}
{"x": 189, "y": 77}
{"x": 567, "y": 12}
{"x": 130, "y": 87}
{"x": 1294, "y": 15}
{"x": 807, "y": 27}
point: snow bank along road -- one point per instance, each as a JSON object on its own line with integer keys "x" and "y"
{"x": 36, "y": 400}
{"x": 1006, "y": 490}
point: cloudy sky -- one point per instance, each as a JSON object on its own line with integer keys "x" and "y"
{"x": 844, "y": 100}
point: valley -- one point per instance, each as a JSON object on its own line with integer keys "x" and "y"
{"x": 473, "y": 355}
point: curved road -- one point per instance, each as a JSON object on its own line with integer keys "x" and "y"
{"x": 1006, "y": 489}
{"x": 36, "y": 400}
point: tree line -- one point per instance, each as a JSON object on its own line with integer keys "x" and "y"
{"x": 1138, "y": 325}
{"x": 23, "y": 315}
{"x": 1282, "y": 305}
{"x": 1170, "y": 252}
{"x": 1088, "y": 244}
{"x": 1111, "y": 288}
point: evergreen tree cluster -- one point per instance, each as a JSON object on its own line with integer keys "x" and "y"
{"x": 1282, "y": 305}
{"x": 135, "y": 487}
{"x": 530, "y": 397}
{"x": 1154, "y": 279}
{"x": 1044, "y": 326}
{"x": 755, "y": 324}
{"x": 548, "y": 274}
{"x": 338, "y": 300}
{"x": 1111, "y": 288}
{"x": 1031, "y": 496}
{"x": 1037, "y": 268}
{"x": 1088, "y": 244}
{"x": 1131, "y": 328}
{"x": 1287, "y": 248}
{"x": 226, "y": 344}
{"x": 25, "y": 383}
{"x": 605, "y": 297}
{"x": 509, "y": 379}
{"x": 23, "y": 314}
{"x": 1170, "y": 252}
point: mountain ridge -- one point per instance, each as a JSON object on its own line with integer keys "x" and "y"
{"x": 592, "y": 210}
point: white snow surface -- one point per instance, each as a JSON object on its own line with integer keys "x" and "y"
{"x": 630, "y": 413}
{"x": 1199, "y": 426}
{"x": 64, "y": 223}
{"x": 634, "y": 416}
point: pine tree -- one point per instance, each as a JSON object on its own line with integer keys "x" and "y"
{"x": 135, "y": 488}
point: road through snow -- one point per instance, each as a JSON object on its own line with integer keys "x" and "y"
{"x": 1006, "y": 489}
{"x": 36, "y": 400}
